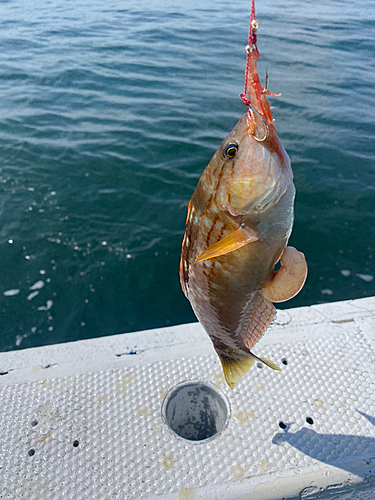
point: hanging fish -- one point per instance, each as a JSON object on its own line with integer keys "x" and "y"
{"x": 237, "y": 228}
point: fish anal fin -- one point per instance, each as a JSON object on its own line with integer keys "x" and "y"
{"x": 237, "y": 239}
{"x": 289, "y": 279}
{"x": 258, "y": 315}
{"x": 235, "y": 369}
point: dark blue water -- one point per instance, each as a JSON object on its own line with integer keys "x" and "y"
{"x": 109, "y": 112}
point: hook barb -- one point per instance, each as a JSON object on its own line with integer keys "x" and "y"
{"x": 265, "y": 89}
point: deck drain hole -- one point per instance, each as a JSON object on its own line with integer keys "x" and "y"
{"x": 75, "y": 443}
{"x": 31, "y": 452}
{"x": 196, "y": 411}
{"x": 34, "y": 423}
{"x": 284, "y": 361}
{"x": 260, "y": 365}
{"x": 309, "y": 420}
{"x": 282, "y": 425}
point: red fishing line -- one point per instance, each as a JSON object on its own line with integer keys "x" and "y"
{"x": 250, "y": 48}
{"x": 252, "y": 54}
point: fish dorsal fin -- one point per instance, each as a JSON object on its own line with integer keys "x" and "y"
{"x": 289, "y": 279}
{"x": 240, "y": 237}
{"x": 235, "y": 369}
{"x": 258, "y": 315}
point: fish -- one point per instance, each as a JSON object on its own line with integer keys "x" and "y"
{"x": 235, "y": 259}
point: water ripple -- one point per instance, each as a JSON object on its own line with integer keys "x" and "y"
{"x": 108, "y": 116}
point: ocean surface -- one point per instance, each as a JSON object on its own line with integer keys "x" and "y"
{"x": 109, "y": 112}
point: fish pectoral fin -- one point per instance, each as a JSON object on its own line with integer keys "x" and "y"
{"x": 240, "y": 237}
{"x": 289, "y": 279}
{"x": 235, "y": 369}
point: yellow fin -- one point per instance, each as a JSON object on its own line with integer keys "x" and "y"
{"x": 235, "y": 369}
{"x": 289, "y": 279}
{"x": 271, "y": 364}
{"x": 242, "y": 236}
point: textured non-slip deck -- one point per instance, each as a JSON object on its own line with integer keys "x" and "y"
{"x": 84, "y": 420}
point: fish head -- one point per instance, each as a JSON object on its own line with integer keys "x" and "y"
{"x": 254, "y": 174}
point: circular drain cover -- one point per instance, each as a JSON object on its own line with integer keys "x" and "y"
{"x": 196, "y": 411}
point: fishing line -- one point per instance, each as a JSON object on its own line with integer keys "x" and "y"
{"x": 250, "y": 47}
{"x": 252, "y": 52}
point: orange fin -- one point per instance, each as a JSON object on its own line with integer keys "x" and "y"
{"x": 242, "y": 236}
{"x": 259, "y": 313}
{"x": 188, "y": 213}
{"x": 182, "y": 278}
{"x": 289, "y": 279}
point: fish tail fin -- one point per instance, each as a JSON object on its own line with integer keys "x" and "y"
{"x": 270, "y": 364}
{"x": 235, "y": 369}
{"x": 259, "y": 314}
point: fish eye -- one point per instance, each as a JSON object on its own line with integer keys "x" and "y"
{"x": 230, "y": 151}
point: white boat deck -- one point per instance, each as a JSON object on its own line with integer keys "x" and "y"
{"x": 84, "y": 420}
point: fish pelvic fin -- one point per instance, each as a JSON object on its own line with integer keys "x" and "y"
{"x": 234, "y": 369}
{"x": 289, "y": 279}
{"x": 258, "y": 315}
{"x": 237, "y": 239}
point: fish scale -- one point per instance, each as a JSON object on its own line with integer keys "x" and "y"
{"x": 239, "y": 220}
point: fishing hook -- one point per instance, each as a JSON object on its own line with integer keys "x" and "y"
{"x": 263, "y": 120}
{"x": 249, "y": 107}
{"x": 266, "y": 82}
{"x": 265, "y": 90}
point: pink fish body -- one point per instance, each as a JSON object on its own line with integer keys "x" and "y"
{"x": 238, "y": 224}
